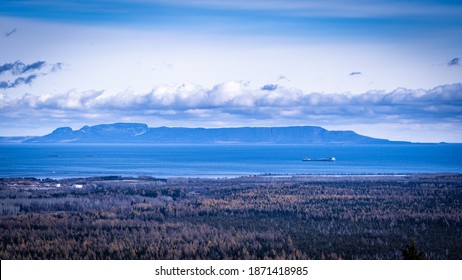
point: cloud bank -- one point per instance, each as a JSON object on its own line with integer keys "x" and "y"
{"x": 237, "y": 101}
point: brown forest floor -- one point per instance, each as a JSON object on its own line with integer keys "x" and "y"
{"x": 256, "y": 217}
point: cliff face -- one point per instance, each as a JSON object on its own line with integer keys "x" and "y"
{"x": 141, "y": 133}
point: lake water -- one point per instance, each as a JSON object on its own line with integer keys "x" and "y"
{"x": 76, "y": 160}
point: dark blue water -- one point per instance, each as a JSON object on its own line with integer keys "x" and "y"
{"x": 73, "y": 160}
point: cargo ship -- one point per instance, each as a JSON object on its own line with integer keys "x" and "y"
{"x": 319, "y": 159}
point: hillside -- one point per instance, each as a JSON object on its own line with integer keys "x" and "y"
{"x": 141, "y": 133}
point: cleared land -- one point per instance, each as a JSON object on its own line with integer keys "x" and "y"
{"x": 258, "y": 217}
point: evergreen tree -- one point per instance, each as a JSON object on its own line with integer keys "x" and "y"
{"x": 412, "y": 253}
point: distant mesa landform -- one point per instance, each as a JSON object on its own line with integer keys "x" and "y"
{"x": 141, "y": 133}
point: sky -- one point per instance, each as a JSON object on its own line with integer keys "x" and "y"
{"x": 388, "y": 69}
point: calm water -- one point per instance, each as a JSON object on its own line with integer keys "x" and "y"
{"x": 73, "y": 160}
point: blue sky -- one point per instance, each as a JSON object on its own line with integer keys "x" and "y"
{"x": 387, "y": 69}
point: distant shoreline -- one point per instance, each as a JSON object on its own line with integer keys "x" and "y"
{"x": 243, "y": 176}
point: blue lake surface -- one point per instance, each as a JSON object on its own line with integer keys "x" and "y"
{"x": 85, "y": 160}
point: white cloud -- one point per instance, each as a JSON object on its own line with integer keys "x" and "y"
{"x": 236, "y": 103}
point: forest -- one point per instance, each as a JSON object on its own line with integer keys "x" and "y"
{"x": 252, "y": 217}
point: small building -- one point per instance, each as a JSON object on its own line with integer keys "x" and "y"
{"x": 78, "y": 186}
